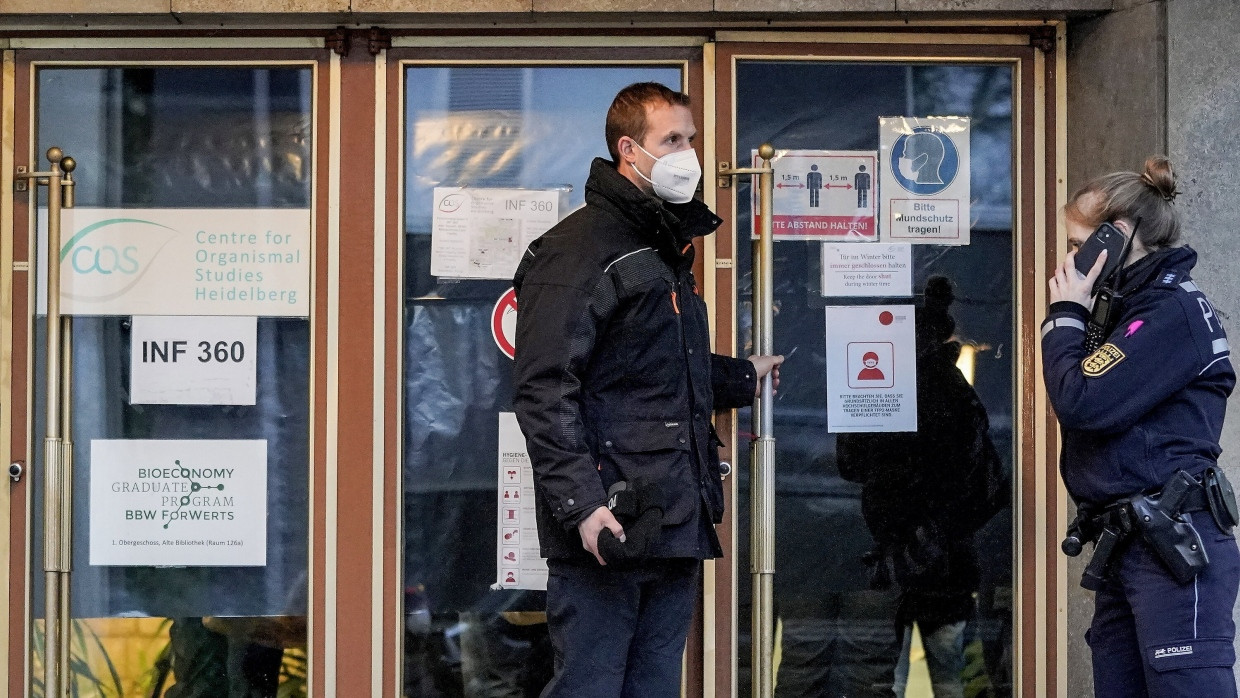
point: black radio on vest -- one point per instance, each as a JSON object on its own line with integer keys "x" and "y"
{"x": 1107, "y": 303}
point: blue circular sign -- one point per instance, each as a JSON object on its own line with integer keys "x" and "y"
{"x": 924, "y": 162}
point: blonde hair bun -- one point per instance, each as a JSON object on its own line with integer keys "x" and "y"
{"x": 1160, "y": 176}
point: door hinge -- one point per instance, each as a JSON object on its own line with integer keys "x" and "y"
{"x": 338, "y": 41}
{"x": 1042, "y": 38}
{"x": 379, "y": 40}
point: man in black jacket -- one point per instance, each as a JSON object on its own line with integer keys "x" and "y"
{"x": 616, "y": 384}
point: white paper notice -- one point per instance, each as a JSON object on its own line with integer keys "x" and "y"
{"x": 168, "y": 261}
{"x": 177, "y": 360}
{"x": 517, "y": 562}
{"x": 867, "y": 270}
{"x": 482, "y": 233}
{"x": 871, "y": 369}
{"x": 822, "y": 194}
{"x": 189, "y": 503}
{"x": 925, "y": 182}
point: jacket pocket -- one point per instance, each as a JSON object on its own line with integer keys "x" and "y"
{"x": 712, "y": 485}
{"x": 1190, "y": 654}
{"x": 651, "y": 452}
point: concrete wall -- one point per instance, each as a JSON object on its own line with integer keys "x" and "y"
{"x": 1203, "y": 111}
{"x": 1160, "y": 77}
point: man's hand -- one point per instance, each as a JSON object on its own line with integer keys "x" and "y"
{"x": 1068, "y": 285}
{"x": 593, "y": 525}
{"x": 764, "y": 365}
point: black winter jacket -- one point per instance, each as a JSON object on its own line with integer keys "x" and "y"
{"x": 614, "y": 375}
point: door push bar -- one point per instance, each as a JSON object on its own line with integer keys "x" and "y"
{"x": 762, "y": 449}
{"x": 58, "y": 444}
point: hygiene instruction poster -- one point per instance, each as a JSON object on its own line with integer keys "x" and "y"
{"x": 517, "y": 562}
{"x": 871, "y": 369}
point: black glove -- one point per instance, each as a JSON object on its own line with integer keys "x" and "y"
{"x": 642, "y": 534}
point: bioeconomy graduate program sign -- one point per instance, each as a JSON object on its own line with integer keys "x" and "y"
{"x": 248, "y": 262}
{"x": 191, "y": 503}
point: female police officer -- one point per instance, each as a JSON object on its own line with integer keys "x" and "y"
{"x": 1142, "y": 410}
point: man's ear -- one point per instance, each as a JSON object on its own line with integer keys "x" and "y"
{"x": 627, "y": 148}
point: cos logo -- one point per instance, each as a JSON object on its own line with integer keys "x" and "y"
{"x": 451, "y": 203}
{"x": 104, "y": 260}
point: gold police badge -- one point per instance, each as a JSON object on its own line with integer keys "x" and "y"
{"x": 1102, "y": 360}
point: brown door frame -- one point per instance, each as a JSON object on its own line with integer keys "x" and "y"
{"x": 18, "y": 276}
{"x": 516, "y": 53}
{"x": 1038, "y": 617}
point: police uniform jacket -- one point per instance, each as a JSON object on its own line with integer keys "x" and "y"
{"x": 1151, "y": 400}
{"x": 615, "y": 380}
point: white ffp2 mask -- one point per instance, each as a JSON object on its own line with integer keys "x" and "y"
{"x": 674, "y": 176}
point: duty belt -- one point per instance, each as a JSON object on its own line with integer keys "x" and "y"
{"x": 1158, "y": 517}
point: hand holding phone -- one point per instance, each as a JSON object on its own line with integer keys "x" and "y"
{"x": 1106, "y": 237}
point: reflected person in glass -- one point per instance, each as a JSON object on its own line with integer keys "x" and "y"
{"x": 924, "y": 495}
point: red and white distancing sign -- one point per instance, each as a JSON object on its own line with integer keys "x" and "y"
{"x": 504, "y": 322}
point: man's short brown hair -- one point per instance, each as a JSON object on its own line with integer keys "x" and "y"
{"x": 627, "y": 114}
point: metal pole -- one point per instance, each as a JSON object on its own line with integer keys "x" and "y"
{"x": 66, "y": 498}
{"x": 762, "y": 451}
{"x": 55, "y": 634}
{"x": 762, "y": 454}
{"x": 57, "y": 478}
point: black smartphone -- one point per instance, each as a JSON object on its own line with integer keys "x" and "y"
{"x": 1108, "y": 238}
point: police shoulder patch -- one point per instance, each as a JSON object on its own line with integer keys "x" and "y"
{"x": 1103, "y": 360}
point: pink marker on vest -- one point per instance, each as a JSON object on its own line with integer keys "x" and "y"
{"x": 1133, "y": 327}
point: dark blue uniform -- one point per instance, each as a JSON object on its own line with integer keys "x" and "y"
{"x": 1149, "y": 402}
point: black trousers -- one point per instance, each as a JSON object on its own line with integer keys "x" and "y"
{"x": 619, "y": 633}
{"x": 1151, "y": 636}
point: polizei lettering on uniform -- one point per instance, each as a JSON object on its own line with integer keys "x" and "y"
{"x": 1176, "y": 651}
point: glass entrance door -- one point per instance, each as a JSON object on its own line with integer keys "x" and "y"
{"x": 897, "y": 435}
{"x": 186, "y": 270}
{"x": 505, "y": 127}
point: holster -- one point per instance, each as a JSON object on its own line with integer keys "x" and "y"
{"x": 1174, "y": 538}
{"x": 1112, "y": 527}
{"x": 1220, "y": 499}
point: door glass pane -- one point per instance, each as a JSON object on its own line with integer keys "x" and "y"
{"x": 876, "y": 505}
{"x": 477, "y": 127}
{"x": 175, "y": 138}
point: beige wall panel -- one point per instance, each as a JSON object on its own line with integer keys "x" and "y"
{"x": 263, "y": 6}
{"x": 61, "y": 7}
{"x": 1038, "y": 6}
{"x": 622, "y": 6}
{"x": 453, "y": 6}
{"x": 805, "y": 5}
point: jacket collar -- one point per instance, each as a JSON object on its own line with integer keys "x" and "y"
{"x": 1142, "y": 272}
{"x": 667, "y": 227}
